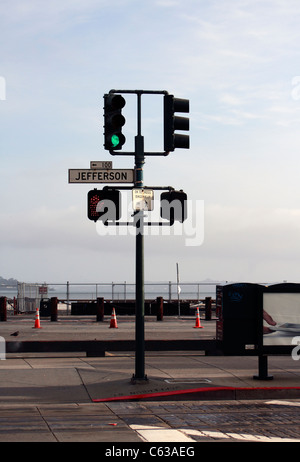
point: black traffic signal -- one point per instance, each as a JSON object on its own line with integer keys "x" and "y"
{"x": 104, "y": 204}
{"x": 172, "y": 122}
{"x": 113, "y": 121}
{"x": 173, "y": 206}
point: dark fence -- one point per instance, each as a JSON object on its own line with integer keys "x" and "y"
{"x": 156, "y": 308}
{"x": 102, "y": 307}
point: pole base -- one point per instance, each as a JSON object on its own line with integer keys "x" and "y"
{"x": 263, "y": 377}
{"x": 135, "y": 380}
{"x": 263, "y": 369}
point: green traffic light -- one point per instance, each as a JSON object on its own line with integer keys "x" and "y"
{"x": 115, "y": 140}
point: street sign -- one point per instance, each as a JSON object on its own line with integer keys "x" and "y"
{"x": 142, "y": 199}
{"x": 101, "y": 164}
{"x": 101, "y": 176}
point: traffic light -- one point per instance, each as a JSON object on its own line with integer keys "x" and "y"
{"x": 173, "y": 206}
{"x": 113, "y": 121}
{"x": 104, "y": 204}
{"x": 172, "y": 122}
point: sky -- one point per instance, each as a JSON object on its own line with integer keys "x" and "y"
{"x": 238, "y": 63}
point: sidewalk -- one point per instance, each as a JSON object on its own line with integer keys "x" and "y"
{"x": 65, "y": 398}
{"x": 170, "y": 376}
{"x": 71, "y": 397}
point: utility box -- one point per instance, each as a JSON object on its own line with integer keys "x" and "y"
{"x": 239, "y": 328}
{"x": 45, "y": 307}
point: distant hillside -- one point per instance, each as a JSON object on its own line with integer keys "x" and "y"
{"x": 11, "y": 282}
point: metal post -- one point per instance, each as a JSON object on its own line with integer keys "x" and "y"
{"x": 53, "y": 307}
{"x": 100, "y": 309}
{"x": 68, "y": 297}
{"x": 159, "y": 308}
{"x": 3, "y": 311}
{"x": 178, "y": 290}
{"x": 263, "y": 368}
{"x": 207, "y": 308}
{"x": 139, "y": 259}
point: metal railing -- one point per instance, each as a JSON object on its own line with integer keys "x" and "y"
{"x": 29, "y": 295}
{"x": 124, "y": 291}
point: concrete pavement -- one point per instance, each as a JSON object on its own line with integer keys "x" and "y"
{"x": 170, "y": 376}
{"x": 71, "y": 397}
{"x": 57, "y": 399}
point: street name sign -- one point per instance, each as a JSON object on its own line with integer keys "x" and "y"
{"x": 101, "y": 176}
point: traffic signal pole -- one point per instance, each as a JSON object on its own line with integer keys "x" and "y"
{"x": 114, "y": 140}
{"x": 139, "y": 257}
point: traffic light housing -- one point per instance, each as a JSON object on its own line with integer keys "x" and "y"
{"x": 104, "y": 204}
{"x": 113, "y": 121}
{"x": 173, "y": 206}
{"x": 172, "y": 122}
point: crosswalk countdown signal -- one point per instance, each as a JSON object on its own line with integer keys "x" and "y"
{"x": 113, "y": 121}
{"x": 173, "y": 122}
{"x": 104, "y": 205}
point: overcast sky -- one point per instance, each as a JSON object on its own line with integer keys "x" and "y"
{"x": 237, "y": 61}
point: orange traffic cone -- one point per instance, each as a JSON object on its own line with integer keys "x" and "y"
{"x": 113, "y": 321}
{"x": 198, "y": 324}
{"x": 37, "y": 320}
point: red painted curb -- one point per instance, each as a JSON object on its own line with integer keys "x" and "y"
{"x": 189, "y": 391}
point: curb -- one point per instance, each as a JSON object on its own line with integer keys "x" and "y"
{"x": 210, "y": 393}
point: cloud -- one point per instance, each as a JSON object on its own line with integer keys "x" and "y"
{"x": 231, "y": 100}
{"x": 237, "y": 63}
{"x": 260, "y": 232}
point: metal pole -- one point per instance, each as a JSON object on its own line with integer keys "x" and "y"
{"x": 139, "y": 259}
{"x": 68, "y": 297}
{"x": 178, "y": 289}
{"x": 263, "y": 369}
